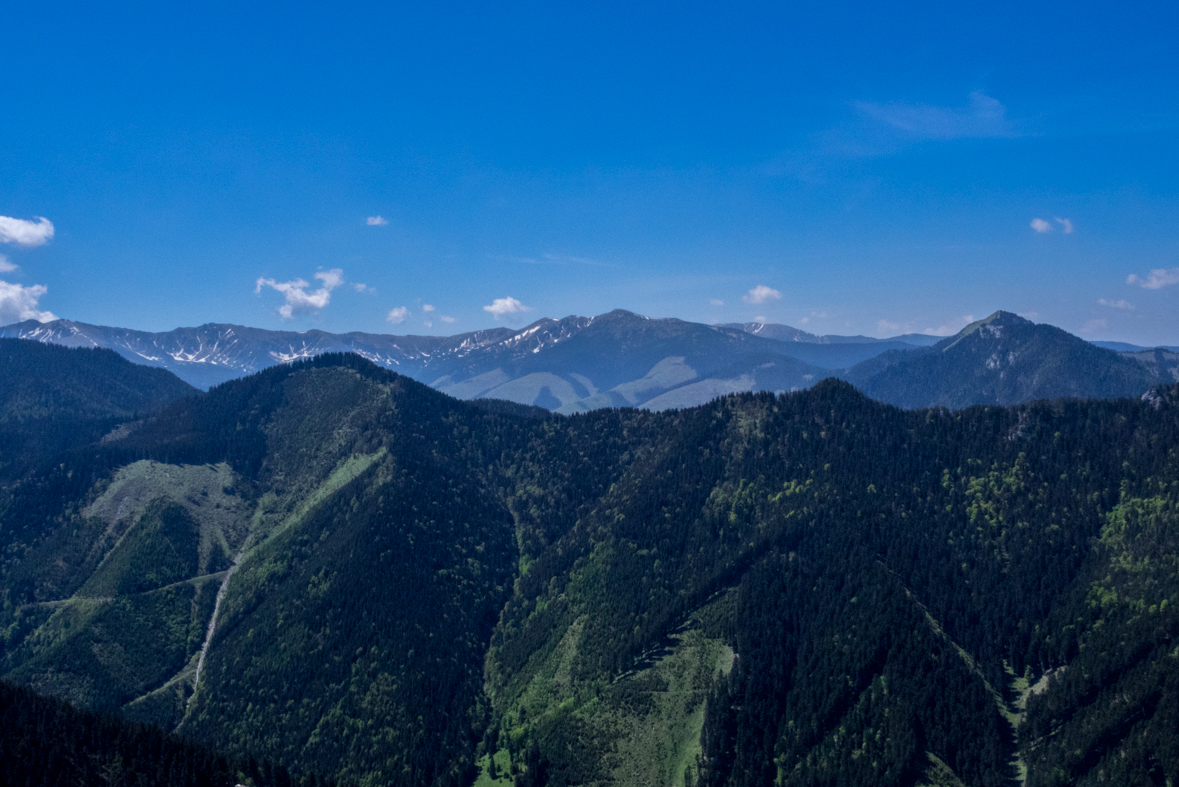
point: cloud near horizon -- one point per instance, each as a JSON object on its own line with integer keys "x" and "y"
{"x": 1156, "y": 279}
{"x": 19, "y": 303}
{"x": 762, "y": 294}
{"x": 502, "y": 306}
{"x": 19, "y": 232}
{"x": 950, "y": 328}
{"x": 299, "y": 300}
{"x": 397, "y": 315}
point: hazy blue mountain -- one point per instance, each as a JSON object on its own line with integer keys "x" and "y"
{"x": 1123, "y": 347}
{"x": 213, "y": 353}
{"x": 621, "y": 359}
{"x": 1002, "y": 360}
{"x": 573, "y": 364}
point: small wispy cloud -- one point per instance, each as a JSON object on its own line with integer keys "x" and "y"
{"x": 546, "y": 259}
{"x": 427, "y": 307}
{"x": 1093, "y": 325}
{"x": 1066, "y": 225}
{"x": 19, "y": 303}
{"x": 1041, "y": 226}
{"x": 446, "y": 319}
{"x": 364, "y": 288}
{"x": 6, "y": 265}
{"x": 501, "y": 306}
{"x": 19, "y": 232}
{"x": 716, "y": 302}
{"x": 950, "y": 328}
{"x": 887, "y": 326}
{"x": 298, "y": 299}
{"x": 1156, "y": 279}
{"x": 397, "y": 315}
{"x": 376, "y": 221}
{"x": 981, "y": 117}
{"x": 761, "y": 294}
{"x": 1118, "y": 304}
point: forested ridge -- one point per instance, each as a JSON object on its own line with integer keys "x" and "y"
{"x": 809, "y": 588}
{"x": 46, "y": 743}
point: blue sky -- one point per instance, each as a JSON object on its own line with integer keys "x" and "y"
{"x": 872, "y": 170}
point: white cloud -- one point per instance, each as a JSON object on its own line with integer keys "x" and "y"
{"x": 1041, "y": 226}
{"x": 363, "y": 288}
{"x": 18, "y": 303}
{"x": 1066, "y": 225}
{"x": 25, "y": 233}
{"x": 1156, "y": 279}
{"x": 6, "y": 265}
{"x": 982, "y": 117}
{"x": 299, "y": 300}
{"x": 950, "y": 328}
{"x": 1118, "y": 304}
{"x": 397, "y": 315}
{"x": 716, "y": 302}
{"x": 376, "y": 221}
{"x": 760, "y": 318}
{"x": 331, "y": 279}
{"x": 427, "y": 307}
{"x": 761, "y": 294}
{"x": 428, "y": 323}
{"x": 885, "y": 326}
{"x": 509, "y": 305}
{"x": 446, "y": 319}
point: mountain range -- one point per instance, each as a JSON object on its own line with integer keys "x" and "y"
{"x": 621, "y": 359}
{"x": 333, "y": 568}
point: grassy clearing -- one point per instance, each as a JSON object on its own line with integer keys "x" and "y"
{"x": 659, "y": 745}
{"x": 503, "y": 765}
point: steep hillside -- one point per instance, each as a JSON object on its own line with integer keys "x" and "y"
{"x": 54, "y": 397}
{"x": 1001, "y": 360}
{"x": 40, "y": 380}
{"x": 46, "y": 743}
{"x": 334, "y": 567}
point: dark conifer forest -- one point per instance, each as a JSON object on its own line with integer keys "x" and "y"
{"x": 337, "y": 570}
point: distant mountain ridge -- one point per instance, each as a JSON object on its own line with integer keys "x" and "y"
{"x": 622, "y": 359}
